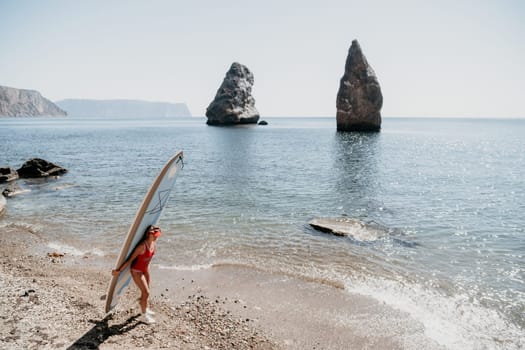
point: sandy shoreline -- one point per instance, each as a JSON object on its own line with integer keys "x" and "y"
{"x": 58, "y": 302}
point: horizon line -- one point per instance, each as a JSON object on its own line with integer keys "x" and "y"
{"x": 386, "y": 117}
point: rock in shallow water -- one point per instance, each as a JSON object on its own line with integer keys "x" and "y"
{"x": 8, "y": 174}
{"x": 354, "y": 228}
{"x": 37, "y": 167}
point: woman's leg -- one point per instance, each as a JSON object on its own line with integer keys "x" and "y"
{"x": 146, "y": 275}
{"x": 141, "y": 282}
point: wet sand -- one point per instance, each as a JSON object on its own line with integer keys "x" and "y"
{"x": 57, "y": 302}
{"x": 300, "y": 314}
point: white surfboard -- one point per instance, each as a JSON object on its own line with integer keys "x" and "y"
{"x": 148, "y": 214}
{"x": 3, "y": 204}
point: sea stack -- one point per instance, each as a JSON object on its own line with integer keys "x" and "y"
{"x": 234, "y": 103}
{"x": 359, "y": 99}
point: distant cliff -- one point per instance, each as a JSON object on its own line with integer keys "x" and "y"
{"x": 26, "y": 103}
{"x": 123, "y": 108}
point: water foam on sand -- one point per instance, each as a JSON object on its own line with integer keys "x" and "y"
{"x": 185, "y": 267}
{"x": 70, "y": 250}
{"x": 455, "y": 321}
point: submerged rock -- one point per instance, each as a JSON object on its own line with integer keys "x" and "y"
{"x": 8, "y": 174}
{"x": 359, "y": 99}
{"x": 234, "y": 103}
{"x": 354, "y": 228}
{"x": 37, "y": 167}
{"x": 13, "y": 190}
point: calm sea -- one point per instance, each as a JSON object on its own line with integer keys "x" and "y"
{"x": 448, "y": 195}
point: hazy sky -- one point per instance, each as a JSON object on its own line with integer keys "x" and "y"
{"x": 432, "y": 58}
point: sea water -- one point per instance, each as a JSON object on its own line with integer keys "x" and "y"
{"x": 448, "y": 196}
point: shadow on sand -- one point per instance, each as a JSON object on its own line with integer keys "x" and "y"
{"x": 101, "y": 331}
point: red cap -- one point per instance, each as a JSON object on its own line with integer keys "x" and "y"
{"x": 155, "y": 230}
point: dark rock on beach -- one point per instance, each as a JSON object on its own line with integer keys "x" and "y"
{"x": 8, "y": 174}
{"x": 37, "y": 167}
{"x": 234, "y": 103}
{"x": 263, "y": 122}
{"x": 359, "y": 99}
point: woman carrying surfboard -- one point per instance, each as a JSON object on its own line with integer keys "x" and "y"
{"x": 139, "y": 269}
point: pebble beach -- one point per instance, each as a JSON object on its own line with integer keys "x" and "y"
{"x": 52, "y": 301}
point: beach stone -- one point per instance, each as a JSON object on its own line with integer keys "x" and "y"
{"x": 347, "y": 227}
{"x": 8, "y": 174}
{"x": 234, "y": 103}
{"x": 37, "y": 167}
{"x": 359, "y": 99}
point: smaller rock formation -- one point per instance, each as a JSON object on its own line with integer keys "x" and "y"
{"x": 8, "y": 174}
{"x": 354, "y": 228}
{"x": 359, "y": 99}
{"x": 233, "y": 103}
{"x": 26, "y": 103}
{"x": 37, "y": 167}
{"x": 263, "y": 122}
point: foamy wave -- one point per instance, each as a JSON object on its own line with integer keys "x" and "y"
{"x": 30, "y": 228}
{"x": 58, "y": 188}
{"x": 185, "y": 267}
{"x": 64, "y": 248}
{"x": 455, "y": 322}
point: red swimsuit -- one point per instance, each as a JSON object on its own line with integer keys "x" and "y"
{"x": 141, "y": 263}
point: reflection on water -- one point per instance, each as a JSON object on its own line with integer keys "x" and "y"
{"x": 356, "y": 157}
{"x": 233, "y": 154}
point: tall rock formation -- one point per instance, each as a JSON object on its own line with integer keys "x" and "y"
{"x": 26, "y": 103}
{"x": 233, "y": 103}
{"x": 359, "y": 99}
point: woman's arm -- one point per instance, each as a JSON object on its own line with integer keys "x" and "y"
{"x": 139, "y": 250}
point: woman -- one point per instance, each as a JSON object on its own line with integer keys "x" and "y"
{"x": 139, "y": 261}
